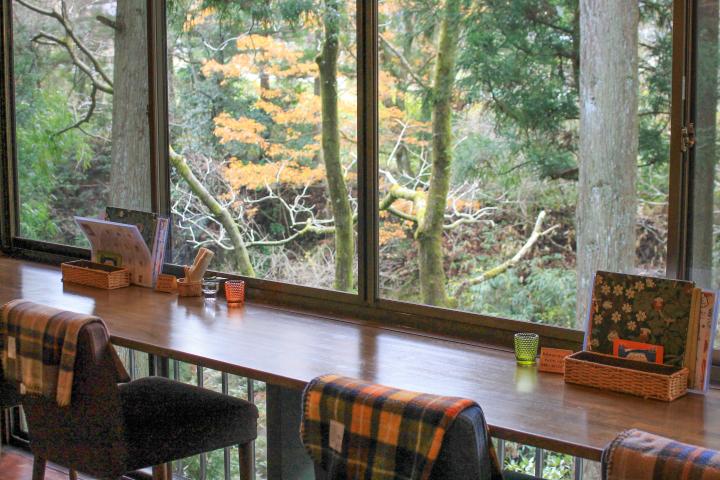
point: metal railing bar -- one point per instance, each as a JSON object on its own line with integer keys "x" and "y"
{"x": 200, "y": 380}
{"x": 178, "y": 465}
{"x": 501, "y": 452}
{"x": 251, "y": 399}
{"x": 225, "y": 383}
{"x": 151, "y": 364}
{"x": 203, "y": 466}
{"x": 131, "y": 364}
{"x": 578, "y": 468}
{"x": 539, "y": 461}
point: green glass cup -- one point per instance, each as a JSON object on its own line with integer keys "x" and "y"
{"x": 526, "y": 348}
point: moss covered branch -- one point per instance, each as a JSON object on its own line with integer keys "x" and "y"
{"x": 220, "y": 213}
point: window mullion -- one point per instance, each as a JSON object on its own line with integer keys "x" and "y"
{"x": 8, "y": 175}
{"x": 158, "y": 109}
{"x": 678, "y": 201}
{"x": 367, "y": 151}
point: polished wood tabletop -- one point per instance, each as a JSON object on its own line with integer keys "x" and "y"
{"x": 288, "y": 349}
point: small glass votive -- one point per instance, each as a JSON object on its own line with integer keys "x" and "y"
{"x": 526, "y": 348}
{"x": 234, "y": 292}
{"x": 210, "y": 287}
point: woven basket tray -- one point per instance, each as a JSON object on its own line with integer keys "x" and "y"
{"x": 189, "y": 289}
{"x": 95, "y": 274}
{"x": 647, "y": 380}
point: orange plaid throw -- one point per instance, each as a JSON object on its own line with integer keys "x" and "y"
{"x": 643, "y": 456}
{"x": 38, "y": 345}
{"x": 375, "y": 432}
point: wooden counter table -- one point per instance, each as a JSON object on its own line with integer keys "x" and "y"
{"x": 287, "y": 349}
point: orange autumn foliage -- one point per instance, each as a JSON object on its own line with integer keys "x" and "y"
{"x": 196, "y": 17}
{"x": 389, "y": 232}
{"x": 244, "y": 130}
{"x": 263, "y": 54}
{"x": 254, "y": 176}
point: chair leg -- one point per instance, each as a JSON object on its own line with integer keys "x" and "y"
{"x": 247, "y": 461}
{"x": 38, "y": 468}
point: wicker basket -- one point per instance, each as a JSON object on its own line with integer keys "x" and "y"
{"x": 95, "y": 275}
{"x": 647, "y": 380}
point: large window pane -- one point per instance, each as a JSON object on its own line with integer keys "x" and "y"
{"x": 263, "y": 138}
{"x": 705, "y": 235}
{"x": 501, "y": 191}
{"x": 81, "y": 103}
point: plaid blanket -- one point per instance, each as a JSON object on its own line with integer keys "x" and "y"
{"x": 376, "y": 432}
{"x": 38, "y": 345}
{"x": 639, "y": 455}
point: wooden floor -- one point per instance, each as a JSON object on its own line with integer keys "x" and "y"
{"x": 17, "y": 465}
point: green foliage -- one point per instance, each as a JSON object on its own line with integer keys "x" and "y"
{"x": 215, "y": 460}
{"x": 43, "y": 156}
{"x": 547, "y": 295}
{"x": 521, "y": 458}
{"x": 522, "y": 58}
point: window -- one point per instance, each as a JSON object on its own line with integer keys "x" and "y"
{"x": 470, "y": 163}
{"x": 704, "y": 255}
{"x": 262, "y": 128}
{"x": 81, "y": 101}
{"x": 492, "y": 171}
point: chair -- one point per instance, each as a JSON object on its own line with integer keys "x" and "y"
{"x": 464, "y": 453}
{"x": 111, "y": 429}
{"x": 9, "y": 398}
{"x": 638, "y": 455}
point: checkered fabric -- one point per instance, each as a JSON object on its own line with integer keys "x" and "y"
{"x": 639, "y": 455}
{"x": 38, "y": 345}
{"x": 385, "y": 433}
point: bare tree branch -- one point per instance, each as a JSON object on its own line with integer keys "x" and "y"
{"x": 309, "y": 228}
{"x": 508, "y": 264}
{"x": 65, "y": 24}
{"x": 108, "y": 22}
{"x": 85, "y": 118}
{"x": 85, "y": 68}
{"x": 404, "y": 63}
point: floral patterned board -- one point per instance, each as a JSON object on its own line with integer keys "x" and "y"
{"x": 641, "y": 309}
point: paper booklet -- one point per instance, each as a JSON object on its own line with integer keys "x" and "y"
{"x": 153, "y": 228}
{"x": 641, "y": 309}
{"x": 120, "y": 245}
{"x": 707, "y": 324}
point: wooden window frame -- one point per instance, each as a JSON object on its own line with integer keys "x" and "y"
{"x": 367, "y": 304}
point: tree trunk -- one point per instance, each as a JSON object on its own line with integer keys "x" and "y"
{"x": 342, "y": 212}
{"x": 130, "y": 183}
{"x": 705, "y": 149}
{"x": 608, "y": 141}
{"x": 430, "y": 226}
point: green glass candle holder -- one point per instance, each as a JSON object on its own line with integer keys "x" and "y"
{"x": 526, "y": 348}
